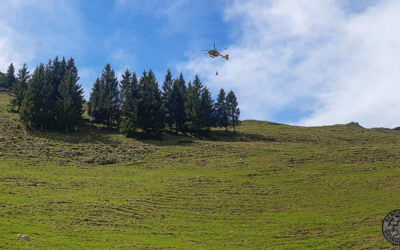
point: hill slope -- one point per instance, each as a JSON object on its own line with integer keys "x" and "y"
{"x": 270, "y": 186}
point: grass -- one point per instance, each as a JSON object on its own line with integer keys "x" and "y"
{"x": 269, "y": 186}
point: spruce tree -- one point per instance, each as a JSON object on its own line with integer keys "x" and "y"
{"x": 192, "y": 104}
{"x": 2, "y": 79}
{"x": 221, "y": 110}
{"x": 206, "y": 112}
{"x": 150, "y": 115}
{"x": 104, "y": 100}
{"x": 96, "y": 108}
{"x": 129, "y": 97}
{"x": 10, "y": 76}
{"x": 70, "y": 103}
{"x": 20, "y": 86}
{"x": 233, "y": 109}
{"x": 36, "y": 110}
{"x": 167, "y": 88}
{"x": 69, "y": 66}
{"x": 177, "y": 108}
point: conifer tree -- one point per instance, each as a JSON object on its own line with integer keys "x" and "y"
{"x": 192, "y": 104}
{"x": 150, "y": 109}
{"x": 56, "y": 75}
{"x": 69, "y": 66}
{"x": 177, "y": 108}
{"x": 129, "y": 98}
{"x": 233, "y": 109}
{"x": 104, "y": 100}
{"x": 95, "y": 105}
{"x": 10, "y": 76}
{"x": 20, "y": 86}
{"x": 167, "y": 88}
{"x": 221, "y": 110}
{"x": 206, "y": 111}
{"x": 2, "y": 79}
{"x": 36, "y": 110}
{"x": 70, "y": 103}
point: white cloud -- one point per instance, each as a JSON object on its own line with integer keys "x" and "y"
{"x": 314, "y": 57}
{"x": 9, "y": 42}
{"x": 33, "y": 31}
{"x": 179, "y": 16}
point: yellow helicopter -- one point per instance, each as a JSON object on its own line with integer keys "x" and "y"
{"x": 215, "y": 53}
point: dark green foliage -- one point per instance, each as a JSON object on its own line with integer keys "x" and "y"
{"x": 104, "y": 103}
{"x": 2, "y": 80}
{"x": 55, "y": 73}
{"x": 233, "y": 109}
{"x": 70, "y": 101}
{"x": 19, "y": 88}
{"x": 193, "y": 104}
{"x": 221, "y": 110}
{"x": 206, "y": 112}
{"x": 52, "y": 99}
{"x": 94, "y": 105}
{"x": 129, "y": 98}
{"x": 150, "y": 116}
{"x": 167, "y": 89}
{"x": 10, "y": 76}
{"x": 36, "y": 111}
{"x": 177, "y": 108}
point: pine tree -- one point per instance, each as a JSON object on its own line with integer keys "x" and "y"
{"x": 167, "y": 88}
{"x": 56, "y": 75}
{"x": 96, "y": 107}
{"x": 20, "y": 86}
{"x": 233, "y": 109}
{"x": 2, "y": 79}
{"x": 192, "y": 104}
{"x": 177, "y": 108}
{"x": 70, "y": 103}
{"x": 69, "y": 66}
{"x": 150, "y": 109}
{"x": 129, "y": 97}
{"x": 104, "y": 100}
{"x": 221, "y": 110}
{"x": 206, "y": 112}
{"x": 10, "y": 76}
{"x": 36, "y": 106}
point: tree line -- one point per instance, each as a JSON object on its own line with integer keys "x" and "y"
{"x": 51, "y": 98}
{"x": 48, "y": 99}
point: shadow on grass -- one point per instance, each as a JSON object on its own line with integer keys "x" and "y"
{"x": 171, "y": 139}
{"x": 87, "y": 133}
{"x": 93, "y": 134}
{"x": 230, "y": 136}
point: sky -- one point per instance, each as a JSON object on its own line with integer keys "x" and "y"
{"x": 299, "y": 62}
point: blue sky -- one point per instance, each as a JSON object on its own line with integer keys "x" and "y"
{"x": 303, "y": 62}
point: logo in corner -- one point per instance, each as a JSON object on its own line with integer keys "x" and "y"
{"x": 391, "y": 227}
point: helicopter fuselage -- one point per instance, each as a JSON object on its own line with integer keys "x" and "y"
{"x": 214, "y": 53}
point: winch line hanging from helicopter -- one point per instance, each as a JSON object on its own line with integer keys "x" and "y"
{"x": 216, "y": 53}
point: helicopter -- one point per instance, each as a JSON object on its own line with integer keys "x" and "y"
{"x": 215, "y": 53}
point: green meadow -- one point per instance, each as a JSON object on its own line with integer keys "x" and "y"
{"x": 267, "y": 186}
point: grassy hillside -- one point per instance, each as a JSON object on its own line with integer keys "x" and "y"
{"x": 269, "y": 186}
